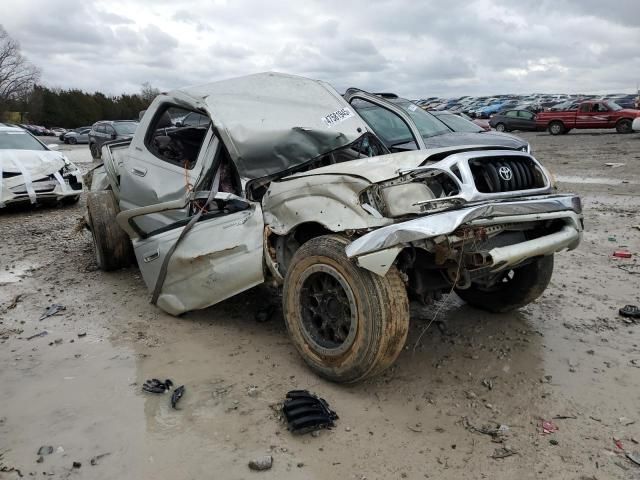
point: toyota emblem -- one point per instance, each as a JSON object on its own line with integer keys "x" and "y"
{"x": 505, "y": 173}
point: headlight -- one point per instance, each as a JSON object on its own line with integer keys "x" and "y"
{"x": 404, "y": 199}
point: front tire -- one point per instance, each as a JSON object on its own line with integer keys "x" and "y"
{"x": 501, "y": 127}
{"x": 95, "y": 152}
{"x": 556, "y": 128}
{"x": 624, "y": 126}
{"x": 346, "y": 322}
{"x": 515, "y": 289}
{"x": 112, "y": 245}
{"x": 72, "y": 140}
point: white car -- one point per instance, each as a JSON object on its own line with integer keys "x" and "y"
{"x": 33, "y": 172}
{"x": 636, "y": 125}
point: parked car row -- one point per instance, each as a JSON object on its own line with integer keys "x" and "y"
{"x": 485, "y": 107}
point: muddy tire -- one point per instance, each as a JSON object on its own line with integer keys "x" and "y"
{"x": 501, "y": 127}
{"x": 624, "y": 126}
{"x": 519, "y": 287}
{"x": 346, "y": 322}
{"x": 112, "y": 245}
{"x": 95, "y": 152}
{"x": 556, "y": 128}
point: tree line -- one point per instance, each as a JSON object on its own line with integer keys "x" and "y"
{"x": 24, "y": 100}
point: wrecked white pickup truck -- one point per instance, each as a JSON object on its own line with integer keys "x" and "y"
{"x": 272, "y": 177}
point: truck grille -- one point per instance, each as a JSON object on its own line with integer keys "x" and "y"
{"x": 506, "y": 174}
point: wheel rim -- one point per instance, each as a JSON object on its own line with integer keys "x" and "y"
{"x": 500, "y": 128}
{"x": 327, "y": 310}
{"x": 625, "y": 127}
{"x": 555, "y": 128}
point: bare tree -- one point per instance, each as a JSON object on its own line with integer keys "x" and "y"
{"x": 17, "y": 74}
{"x": 148, "y": 92}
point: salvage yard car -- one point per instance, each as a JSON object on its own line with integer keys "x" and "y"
{"x": 590, "y": 114}
{"x": 288, "y": 184}
{"x": 33, "y": 172}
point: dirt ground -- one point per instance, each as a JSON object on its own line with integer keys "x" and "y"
{"x": 569, "y": 358}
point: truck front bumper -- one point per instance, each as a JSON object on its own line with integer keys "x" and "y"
{"x": 377, "y": 250}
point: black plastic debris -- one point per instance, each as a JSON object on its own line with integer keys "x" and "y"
{"x": 39, "y": 334}
{"x": 630, "y": 311}
{"x": 306, "y": 412}
{"x": 157, "y": 386}
{"x": 52, "y": 310}
{"x": 177, "y": 395}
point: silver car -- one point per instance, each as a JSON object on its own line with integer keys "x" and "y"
{"x": 77, "y": 136}
{"x": 33, "y": 172}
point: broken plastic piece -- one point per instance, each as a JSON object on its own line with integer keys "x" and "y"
{"x": 52, "y": 310}
{"x": 156, "y": 386}
{"x": 630, "y": 311}
{"x": 306, "y": 412}
{"x": 39, "y": 334}
{"x": 634, "y": 457}
{"x": 548, "y": 427}
{"x": 622, "y": 254}
{"x": 177, "y": 395}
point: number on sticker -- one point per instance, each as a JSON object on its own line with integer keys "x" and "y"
{"x": 337, "y": 117}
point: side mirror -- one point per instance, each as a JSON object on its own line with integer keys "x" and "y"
{"x": 53, "y": 146}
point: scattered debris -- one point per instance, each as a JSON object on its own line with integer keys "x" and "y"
{"x": 614, "y": 164}
{"x": 496, "y": 432}
{"x": 503, "y": 452}
{"x": 487, "y": 382}
{"x": 253, "y": 391}
{"x": 94, "y": 460}
{"x": 14, "y": 302}
{"x": 634, "y": 457}
{"x": 39, "y": 334}
{"x": 415, "y": 428}
{"x": 618, "y": 443}
{"x": 630, "y": 311}
{"x": 633, "y": 269}
{"x": 565, "y": 417}
{"x": 177, "y": 395}
{"x": 40, "y": 459}
{"x": 77, "y": 464}
{"x": 45, "y": 450}
{"x": 553, "y": 441}
{"x": 52, "y": 310}
{"x": 547, "y": 427}
{"x": 156, "y": 386}
{"x": 306, "y": 412}
{"x": 82, "y": 334}
{"x": 622, "y": 254}
{"x": 262, "y": 463}
{"x": 626, "y": 421}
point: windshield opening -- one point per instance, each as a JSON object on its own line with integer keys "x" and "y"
{"x": 613, "y": 106}
{"x": 458, "y": 124}
{"x": 125, "y": 128}
{"x": 19, "y": 141}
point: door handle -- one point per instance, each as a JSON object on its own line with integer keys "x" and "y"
{"x": 152, "y": 257}
{"x": 141, "y": 172}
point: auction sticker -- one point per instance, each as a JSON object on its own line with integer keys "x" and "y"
{"x": 337, "y": 117}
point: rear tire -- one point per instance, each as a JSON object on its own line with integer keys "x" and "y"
{"x": 501, "y": 127}
{"x": 556, "y": 128}
{"x": 95, "y": 152}
{"x": 112, "y": 245}
{"x": 624, "y": 126}
{"x": 525, "y": 285}
{"x": 72, "y": 140}
{"x": 346, "y": 322}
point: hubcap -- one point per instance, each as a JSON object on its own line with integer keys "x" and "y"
{"x": 327, "y": 310}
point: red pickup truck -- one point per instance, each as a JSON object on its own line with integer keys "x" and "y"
{"x": 590, "y": 114}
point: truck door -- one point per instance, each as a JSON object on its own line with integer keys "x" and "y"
{"x": 593, "y": 115}
{"x": 211, "y": 254}
{"x": 164, "y": 160}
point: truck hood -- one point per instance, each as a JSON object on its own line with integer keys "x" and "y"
{"x": 37, "y": 163}
{"x": 385, "y": 167}
{"x": 469, "y": 138}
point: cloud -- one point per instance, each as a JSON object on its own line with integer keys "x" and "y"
{"x": 416, "y": 49}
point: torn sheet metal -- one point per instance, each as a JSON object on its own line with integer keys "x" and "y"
{"x": 331, "y": 200}
{"x": 271, "y": 122}
{"x": 446, "y": 222}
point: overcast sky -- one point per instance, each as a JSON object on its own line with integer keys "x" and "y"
{"x": 414, "y": 48}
